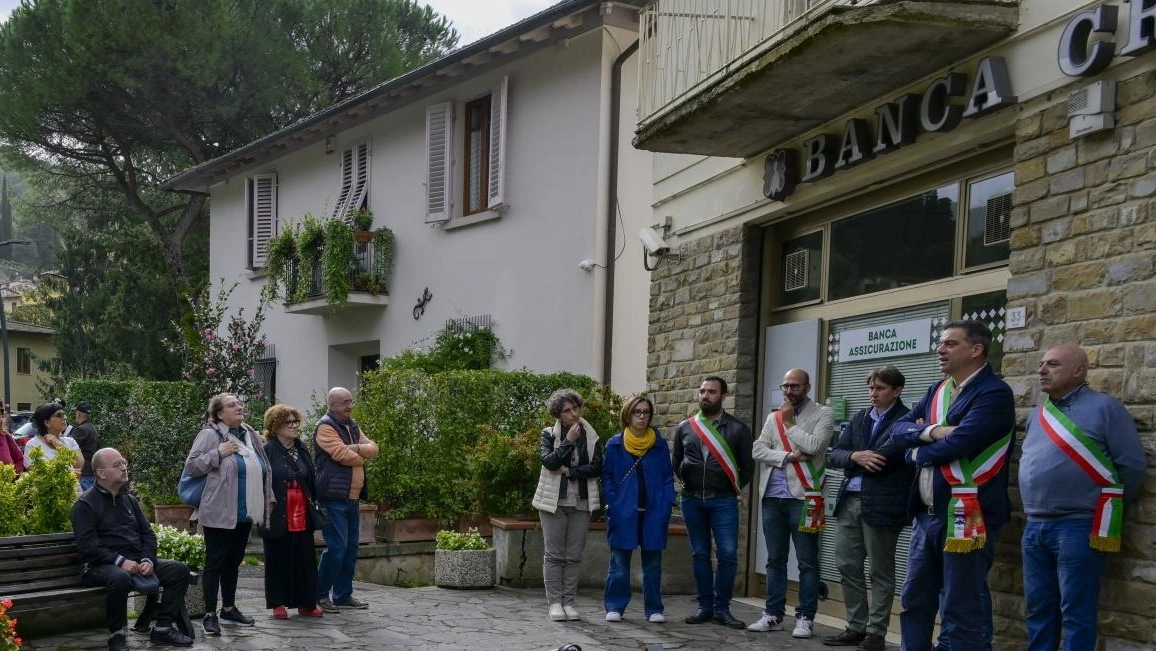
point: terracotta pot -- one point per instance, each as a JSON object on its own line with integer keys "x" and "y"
{"x": 410, "y": 529}
{"x": 174, "y": 515}
{"x": 363, "y": 237}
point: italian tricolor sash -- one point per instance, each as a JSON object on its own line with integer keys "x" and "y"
{"x": 966, "y": 531}
{"x": 1072, "y": 441}
{"x": 812, "y": 476}
{"x": 717, "y": 446}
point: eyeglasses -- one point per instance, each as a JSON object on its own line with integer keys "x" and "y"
{"x": 641, "y": 412}
{"x": 791, "y": 387}
{"x": 59, "y": 414}
{"x": 119, "y": 464}
{"x": 293, "y": 424}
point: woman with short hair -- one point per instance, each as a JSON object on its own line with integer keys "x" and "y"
{"x": 567, "y": 494}
{"x": 238, "y": 494}
{"x": 638, "y": 482}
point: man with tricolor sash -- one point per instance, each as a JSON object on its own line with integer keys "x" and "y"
{"x": 1082, "y": 462}
{"x": 712, "y": 460}
{"x": 793, "y": 447}
{"x": 960, "y": 437}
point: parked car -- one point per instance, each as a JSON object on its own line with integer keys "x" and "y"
{"x": 23, "y": 429}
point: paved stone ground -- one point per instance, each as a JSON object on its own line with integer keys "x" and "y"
{"x": 434, "y": 618}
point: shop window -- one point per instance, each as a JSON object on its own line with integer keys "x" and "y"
{"x": 24, "y": 361}
{"x": 989, "y": 220}
{"x": 801, "y": 269}
{"x": 864, "y": 246}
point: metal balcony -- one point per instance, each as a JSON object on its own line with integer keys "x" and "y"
{"x": 365, "y": 291}
{"x": 736, "y": 77}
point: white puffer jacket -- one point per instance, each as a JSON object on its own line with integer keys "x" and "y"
{"x": 550, "y": 483}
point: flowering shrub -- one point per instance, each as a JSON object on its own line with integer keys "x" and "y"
{"x": 176, "y": 545}
{"x": 455, "y": 348}
{"x": 224, "y": 363}
{"x": 9, "y": 640}
{"x": 468, "y": 541}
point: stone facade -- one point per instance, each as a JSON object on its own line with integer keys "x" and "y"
{"x": 704, "y": 321}
{"x": 1083, "y": 260}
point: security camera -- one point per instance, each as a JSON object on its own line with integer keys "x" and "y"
{"x": 653, "y": 242}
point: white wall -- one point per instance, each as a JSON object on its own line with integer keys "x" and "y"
{"x": 522, "y": 268}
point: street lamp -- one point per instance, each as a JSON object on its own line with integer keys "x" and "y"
{"x": 4, "y": 333}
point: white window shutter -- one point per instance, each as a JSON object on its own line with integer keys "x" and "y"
{"x": 339, "y": 207}
{"x": 357, "y": 197}
{"x": 439, "y": 142}
{"x": 264, "y": 214}
{"x": 497, "y": 142}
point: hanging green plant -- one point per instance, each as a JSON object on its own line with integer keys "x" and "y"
{"x": 282, "y": 249}
{"x": 337, "y": 260}
{"x": 310, "y": 239}
{"x": 382, "y": 257}
{"x": 363, "y": 219}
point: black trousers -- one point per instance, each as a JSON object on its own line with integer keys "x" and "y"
{"x": 224, "y": 551}
{"x": 174, "y": 578}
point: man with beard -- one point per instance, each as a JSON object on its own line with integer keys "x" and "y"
{"x": 712, "y": 459}
{"x": 793, "y": 444}
{"x": 960, "y": 435}
{"x": 119, "y": 551}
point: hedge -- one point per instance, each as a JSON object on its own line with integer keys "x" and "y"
{"x": 429, "y": 427}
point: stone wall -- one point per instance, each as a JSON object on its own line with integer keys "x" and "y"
{"x": 1083, "y": 256}
{"x": 704, "y": 321}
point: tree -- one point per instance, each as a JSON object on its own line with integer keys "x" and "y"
{"x": 100, "y": 101}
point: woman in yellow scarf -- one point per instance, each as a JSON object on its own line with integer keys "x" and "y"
{"x": 638, "y": 485}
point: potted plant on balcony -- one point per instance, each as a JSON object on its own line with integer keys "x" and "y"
{"x": 463, "y": 560}
{"x": 363, "y": 225}
{"x": 310, "y": 239}
{"x": 337, "y": 260}
{"x": 282, "y": 249}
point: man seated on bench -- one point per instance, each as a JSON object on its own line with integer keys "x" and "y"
{"x": 117, "y": 545}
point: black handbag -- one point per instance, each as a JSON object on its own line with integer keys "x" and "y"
{"x": 318, "y": 516}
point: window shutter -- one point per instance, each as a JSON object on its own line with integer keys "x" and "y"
{"x": 439, "y": 142}
{"x": 357, "y": 197}
{"x": 339, "y": 206}
{"x": 497, "y": 142}
{"x": 263, "y": 216}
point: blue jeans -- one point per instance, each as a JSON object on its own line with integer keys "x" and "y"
{"x": 1061, "y": 584}
{"x": 962, "y": 577}
{"x": 717, "y": 518}
{"x": 986, "y": 628}
{"x": 618, "y": 581}
{"x": 339, "y": 560}
{"x": 780, "y": 529}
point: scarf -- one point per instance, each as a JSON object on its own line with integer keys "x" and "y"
{"x": 638, "y": 444}
{"x": 251, "y": 479}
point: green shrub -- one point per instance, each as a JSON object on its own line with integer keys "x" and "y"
{"x": 48, "y": 488}
{"x": 455, "y": 541}
{"x": 504, "y": 470}
{"x": 12, "y": 504}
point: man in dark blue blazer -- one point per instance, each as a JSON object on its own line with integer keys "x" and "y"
{"x": 963, "y": 429}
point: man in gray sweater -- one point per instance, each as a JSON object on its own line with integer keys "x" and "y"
{"x": 1082, "y": 461}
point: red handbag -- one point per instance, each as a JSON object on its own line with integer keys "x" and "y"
{"x": 295, "y": 505}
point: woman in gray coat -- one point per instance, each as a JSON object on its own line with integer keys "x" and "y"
{"x": 238, "y": 493}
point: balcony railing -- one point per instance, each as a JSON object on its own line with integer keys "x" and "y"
{"x": 687, "y": 45}
{"x": 308, "y": 293}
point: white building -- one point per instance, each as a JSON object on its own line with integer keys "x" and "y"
{"x": 506, "y": 174}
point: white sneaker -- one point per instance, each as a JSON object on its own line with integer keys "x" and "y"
{"x": 802, "y": 627}
{"x": 571, "y": 612}
{"x": 614, "y": 616}
{"x": 767, "y": 623}
{"x": 557, "y": 613}
{"x": 657, "y": 618}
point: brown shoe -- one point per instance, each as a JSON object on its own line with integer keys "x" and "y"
{"x": 873, "y": 642}
{"x": 846, "y": 638}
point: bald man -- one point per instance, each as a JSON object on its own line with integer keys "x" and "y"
{"x": 1082, "y": 461}
{"x": 340, "y": 451}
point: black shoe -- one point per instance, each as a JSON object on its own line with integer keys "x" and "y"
{"x": 211, "y": 625}
{"x": 236, "y": 616}
{"x": 117, "y": 643}
{"x": 846, "y": 638}
{"x": 728, "y": 620}
{"x": 170, "y": 636}
{"x": 873, "y": 642}
{"x": 699, "y": 616}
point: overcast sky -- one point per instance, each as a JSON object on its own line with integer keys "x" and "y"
{"x": 472, "y": 18}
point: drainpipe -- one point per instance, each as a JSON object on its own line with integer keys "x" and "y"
{"x": 611, "y": 208}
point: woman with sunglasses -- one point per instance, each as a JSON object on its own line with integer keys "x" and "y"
{"x": 290, "y": 558}
{"x": 638, "y": 482}
{"x": 49, "y": 422}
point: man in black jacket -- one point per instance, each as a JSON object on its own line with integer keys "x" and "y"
{"x": 117, "y": 545}
{"x": 712, "y": 459}
{"x": 871, "y": 510}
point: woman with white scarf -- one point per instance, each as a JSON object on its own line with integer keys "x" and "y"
{"x": 238, "y": 494}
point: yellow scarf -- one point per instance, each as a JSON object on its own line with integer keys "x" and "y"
{"x": 638, "y": 444}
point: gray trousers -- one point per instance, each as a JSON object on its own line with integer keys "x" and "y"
{"x": 855, "y": 540}
{"x": 564, "y": 537}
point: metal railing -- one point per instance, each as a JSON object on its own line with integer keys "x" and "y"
{"x": 686, "y": 45}
{"x": 361, "y": 276}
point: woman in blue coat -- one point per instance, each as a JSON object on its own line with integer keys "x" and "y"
{"x": 638, "y": 486}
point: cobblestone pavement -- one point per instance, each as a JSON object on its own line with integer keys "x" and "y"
{"x": 434, "y": 618}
